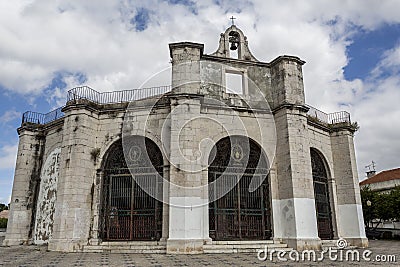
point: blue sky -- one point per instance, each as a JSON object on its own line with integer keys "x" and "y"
{"x": 352, "y": 50}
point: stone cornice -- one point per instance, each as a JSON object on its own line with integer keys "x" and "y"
{"x": 186, "y": 44}
{"x": 302, "y": 108}
{"x": 286, "y": 57}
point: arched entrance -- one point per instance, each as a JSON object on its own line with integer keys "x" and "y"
{"x": 240, "y": 214}
{"x": 128, "y": 212}
{"x": 321, "y": 194}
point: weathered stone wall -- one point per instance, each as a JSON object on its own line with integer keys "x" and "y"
{"x": 27, "y": 170}
{"x": 74, "y": 189}
{"x": 49, "y": 174}
{"x": 47, "y": 198}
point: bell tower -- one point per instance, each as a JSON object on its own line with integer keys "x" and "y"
{"x": 231, "y": 41}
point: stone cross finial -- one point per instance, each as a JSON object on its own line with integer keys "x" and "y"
{"x": 233, "y": 22}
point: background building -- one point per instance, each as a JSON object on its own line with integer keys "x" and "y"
{"x": 382, "y": 204}
{"x": 383, "y": 181}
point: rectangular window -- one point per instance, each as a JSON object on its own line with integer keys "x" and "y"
{"x": 234, "y": 83}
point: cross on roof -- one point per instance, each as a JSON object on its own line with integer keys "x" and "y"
{"x": 371, "y": 167}
{"x": 233, "y": 22}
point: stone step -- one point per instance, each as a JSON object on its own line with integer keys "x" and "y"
{"x": 329, "y": 242}
{"x": 212, "y": 247}
{"x": 125, "y": 247}
{"x": 144, "y": 250}
{"x": 132, "y": 251}
{"x": 326, "y": 244}
{"x": 239, "y": 250}
{"x": 128, "y": 247}
{"x": 128, "y": 243}
{"x": 243, "y": 242}
{"x": 245, "y": 246}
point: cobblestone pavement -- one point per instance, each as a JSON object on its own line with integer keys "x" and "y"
{"x": 38, "y": 256}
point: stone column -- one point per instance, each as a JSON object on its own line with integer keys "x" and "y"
{"x": 26, "y": 183}
{"x": 188, "y": 209}
{"x": 293, "y": 204}
{"x": 350, "y": 220}
{"x": 75, "y": 187}
{"x": 165, "y": 215}
{"x": 96, "y": 209}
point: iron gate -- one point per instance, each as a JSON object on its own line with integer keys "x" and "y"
{"x": 129, "y": 210}
{"x": 241, "y": 213}
{"x": 132, "y": 214}
{"x": 321, "y": 195}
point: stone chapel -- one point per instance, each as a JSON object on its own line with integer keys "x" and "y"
{"x": 226, "y": 158}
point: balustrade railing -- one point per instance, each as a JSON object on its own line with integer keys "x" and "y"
{"x": 85, "y": 92}
{"x": 40, "y": 118}
{"x": 329, "y": 118}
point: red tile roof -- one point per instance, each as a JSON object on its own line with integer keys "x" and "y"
{"x": 383, "y": 177}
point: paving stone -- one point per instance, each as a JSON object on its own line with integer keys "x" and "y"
{"x": 39, "y": 256}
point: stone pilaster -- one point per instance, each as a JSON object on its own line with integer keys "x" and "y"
{"x": 25, "y": 188}
{"x": 294, "y": 213}
{"x": 295, "y": 219}
{"x": 350, "y": 219}
{"x": 188, "y": 210}
{"x": 75, "y": 188}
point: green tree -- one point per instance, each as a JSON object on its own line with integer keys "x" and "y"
{"x": 395, "y": 200}
{"x": 378, "y": 207}
{"x": 3, "y": 207}
{"x": 3, "y": 223}
{"x": 368, "y": 200}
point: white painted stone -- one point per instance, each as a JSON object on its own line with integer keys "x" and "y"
{"x": 294, "y": 218}
{"x": 47, "y": 198}
{"x": 186, "y": 219}
{"x": 351, "y": 221}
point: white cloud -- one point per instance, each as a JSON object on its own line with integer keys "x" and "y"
{"x": 8, "y": 156}
{"x": 377, "y": 110}
{"x": 10, "y": 115}
{"x": 43, "y": 37}
{"x": 390, "y": 63}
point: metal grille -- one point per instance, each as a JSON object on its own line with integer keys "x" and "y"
{"x": 239, "y": 214}
{"x": 321, "y": 194}
{"x": 128, "y": 211}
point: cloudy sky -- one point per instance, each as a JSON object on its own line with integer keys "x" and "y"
{"x": 352, "y": 50}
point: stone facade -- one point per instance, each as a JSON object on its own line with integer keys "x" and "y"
{"x": 59, "y": 187}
